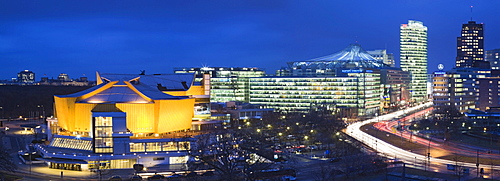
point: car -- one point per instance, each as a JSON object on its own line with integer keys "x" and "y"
{"x": 175, "y": 176}
{"x": 312, "y": 147}
{"x": 135, "y": 178}
{"x": 333, "y": 160}
{"x": 115, "y": 178}
{"x": 156, "y": 177}
{"x": 192, "y": 174}
{"x": 208, "y": 174}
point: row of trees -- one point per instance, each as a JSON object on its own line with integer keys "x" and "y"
{"x": 239, "y": 153}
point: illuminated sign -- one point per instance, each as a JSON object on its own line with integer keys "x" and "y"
{"x": 352, "y": 71}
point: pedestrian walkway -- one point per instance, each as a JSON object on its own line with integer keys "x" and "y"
{"x": 42, "y": 171}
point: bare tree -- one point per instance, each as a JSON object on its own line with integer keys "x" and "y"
{"x": 6, "y": 162}
{"x": 459, "y": 167}
{"x": 225, "y": 152}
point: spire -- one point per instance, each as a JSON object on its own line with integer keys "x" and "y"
{"x": 471, "y": 12}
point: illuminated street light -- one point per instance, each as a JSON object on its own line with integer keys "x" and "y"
{"x": 258, "y": 130}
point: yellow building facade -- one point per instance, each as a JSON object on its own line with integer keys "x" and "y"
{"x": 153, "y": 104}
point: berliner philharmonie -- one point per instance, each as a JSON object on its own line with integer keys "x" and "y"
{"x": 125, "y": 119}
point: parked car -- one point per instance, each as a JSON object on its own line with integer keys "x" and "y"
{"x": 208, "y": 174}
{"x": 333, "y": 160}
{"x": 156, "y": 177}
{"x": 135, "y": 178}
{"x": 115, "y": 178}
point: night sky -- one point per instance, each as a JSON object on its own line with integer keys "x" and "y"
{"x": 82, "y": 37}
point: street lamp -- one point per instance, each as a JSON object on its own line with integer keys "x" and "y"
{"x": 429, "y": 153}
{"x": 477, "y": 163}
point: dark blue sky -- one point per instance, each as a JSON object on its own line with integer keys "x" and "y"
{"x": 82, "y": 37}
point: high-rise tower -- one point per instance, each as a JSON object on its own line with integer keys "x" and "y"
{"x": 470, "y": 47}
{"x": 413, "y": 57}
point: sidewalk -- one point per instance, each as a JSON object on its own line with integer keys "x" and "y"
{"x": 43, "y": 172}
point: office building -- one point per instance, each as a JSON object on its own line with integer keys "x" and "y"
{"x": 457, "y": 87}
{"x": 470, "y": 47}
{"x": 395, "y": 84}
{"x": 227, "y": 83}
{"x": 440, "y": 89}
{"x": 482, "y": 120}
{"x": 488, "y": 93}
{"x": 217, "y": 72}
{"x": 348, "y": 79}
{"x": 493, "y": 57}
{"x": 359, "y": 92}
{"x": 413, "y": 57}
{"x": 382, "y": 55}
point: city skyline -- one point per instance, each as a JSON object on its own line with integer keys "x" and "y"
{"x": 80, "y": 38}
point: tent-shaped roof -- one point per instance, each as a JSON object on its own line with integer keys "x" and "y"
{"x": 353, "y": 52}
{"x": 352, "y": 56}
{"x": 122, "y": 88}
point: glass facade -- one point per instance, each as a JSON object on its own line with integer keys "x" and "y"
{"x": 359, "y": 90}
{"x": 159, "y": 146}
{"x": 229, "y": 89}
{"x": 103, "y": 130}
{"x": 122, "y": 163}
{"x": 72, "y": 143}
{"x": 413, "y": 57}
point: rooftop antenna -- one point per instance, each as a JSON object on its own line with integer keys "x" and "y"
{"x": 471, "y": 12}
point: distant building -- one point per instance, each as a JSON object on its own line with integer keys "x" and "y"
{"x": 217, "y": 72}
{"x": 386, "y": 58}
{"x": 396, "y": 88}
{"x": 493, "y": 56}
{"x": 413, "y": 57}
{"x": 488, "y": 93}
{"x": 440, "y": 89}
{"x": 487, "y": 120}
{"x": 227, "y": 83}
{"x": 349, "y": 79}
{"x": 241, "y": 113}
{"x": 470, "y": 47}
{"x": 63, "y": 77}
{"x": 64, "y": 80}
{"x": 26, "y": 76}
{"x": 352, "y": 57}
{"x": 457, "y": 87}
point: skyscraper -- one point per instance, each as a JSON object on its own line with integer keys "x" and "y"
{"x": 470, "y": 46}
{"x": 413, "y": 57}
